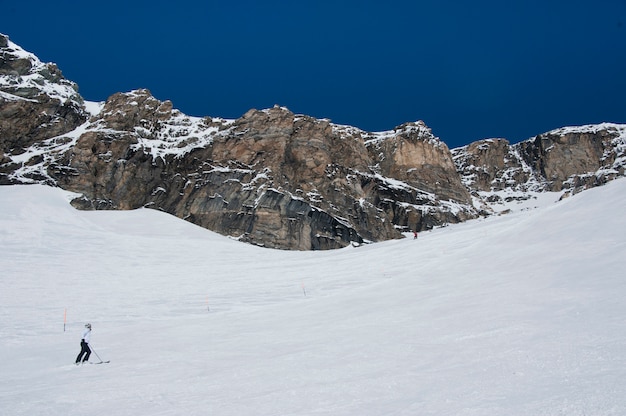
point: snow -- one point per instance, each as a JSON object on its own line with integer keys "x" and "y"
{"x": 520, "y": 314}
{"x": 35, "y": 79}
{"x": 12, "y": 97}
{"x": 589, "y": 128}
{"x": 179, "y": 135}
{"x": 94, "y": 108}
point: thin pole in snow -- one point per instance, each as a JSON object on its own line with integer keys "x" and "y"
{"x": 303, "y": 289}
{"x": 208, "y": 308}
{"x": 94, "y": 351}
{"x": 64, "y": 318}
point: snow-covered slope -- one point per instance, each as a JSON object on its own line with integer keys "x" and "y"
{"x": 515, "y": 315}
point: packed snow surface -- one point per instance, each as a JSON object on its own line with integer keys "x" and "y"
{"x": 521, "y": 314}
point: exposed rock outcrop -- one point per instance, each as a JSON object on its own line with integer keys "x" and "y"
{"x": 271, "y": 177}
{"x": 571, "y": 158}
{"x": 36, "y": 103}
{"x": 577, "y": 158}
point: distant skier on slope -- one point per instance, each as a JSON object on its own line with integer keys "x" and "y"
{"x": 84, "y": 345}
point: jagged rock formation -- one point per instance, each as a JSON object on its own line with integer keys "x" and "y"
{"x": 36, "y": 102}
{"x": 569, "y": 159}
{"x": 592, "y": 154}
{"x": 271, "y": 177}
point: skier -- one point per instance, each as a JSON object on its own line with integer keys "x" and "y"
{"x": 84, "y": 345}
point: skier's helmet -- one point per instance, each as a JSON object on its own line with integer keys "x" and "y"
{"x": 88, "y": 326}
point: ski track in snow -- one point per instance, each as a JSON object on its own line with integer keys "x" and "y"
{"x": 520, "y": 314}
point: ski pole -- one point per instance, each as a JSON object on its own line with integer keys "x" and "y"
{"x": 94, "y": 351}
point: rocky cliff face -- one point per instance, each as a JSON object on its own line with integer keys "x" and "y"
{"x": 569, "y": 159}
{"x": 577, "y": 158}
{"x": 36, "y": 103}
{"x": 271, "y": 177}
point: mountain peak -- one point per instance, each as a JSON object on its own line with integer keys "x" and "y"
{"x": 271, "y": 177}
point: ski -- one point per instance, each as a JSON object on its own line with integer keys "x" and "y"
{"x": 101, "y": 362}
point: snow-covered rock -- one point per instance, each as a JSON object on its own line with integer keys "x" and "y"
{"x": 566, "y": 161}
{"x": 271, "y": 177}
{"x": 36, "y": 103}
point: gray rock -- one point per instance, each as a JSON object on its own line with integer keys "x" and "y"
{"x": 271, "y": 177}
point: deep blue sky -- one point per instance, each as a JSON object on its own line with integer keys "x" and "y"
{"x": 470, "y": 70}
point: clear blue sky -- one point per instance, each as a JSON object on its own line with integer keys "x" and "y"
{"x": 470, "y": 70}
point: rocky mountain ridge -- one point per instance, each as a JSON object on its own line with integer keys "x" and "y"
{"x": 566, "y": 160}
{"x": 271, "y": 177}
